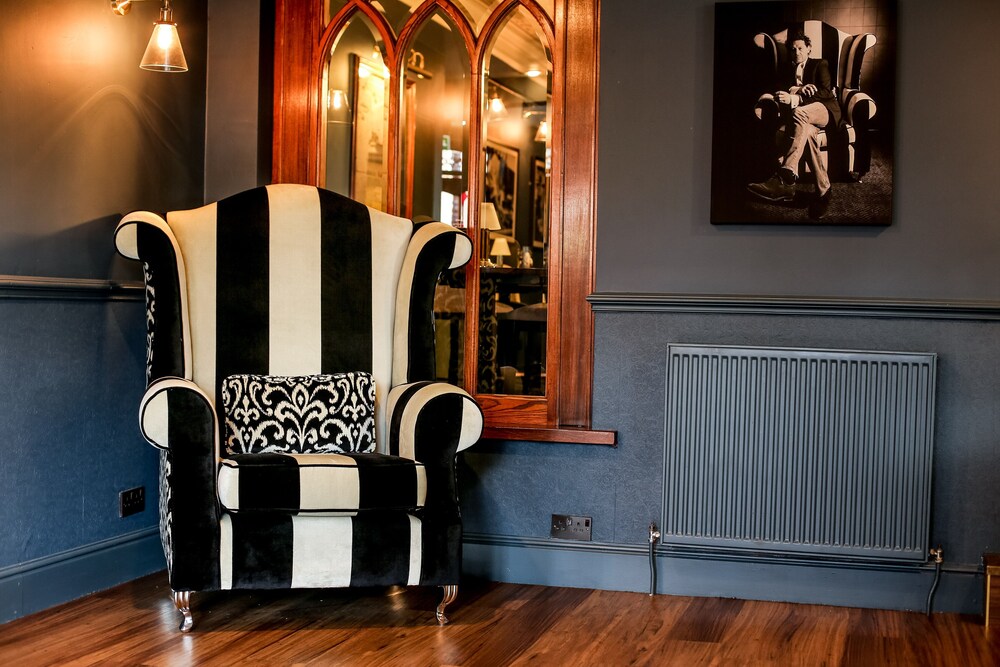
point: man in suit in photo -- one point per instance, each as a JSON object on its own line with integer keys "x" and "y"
{"x": 807, "y": 103}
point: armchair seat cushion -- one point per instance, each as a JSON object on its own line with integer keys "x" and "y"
{"x": 321, "y": 483}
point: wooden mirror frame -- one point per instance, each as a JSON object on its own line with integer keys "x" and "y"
{"x": 302, "y": 44}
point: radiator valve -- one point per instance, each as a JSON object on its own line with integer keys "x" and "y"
{"x": 938, "y": 555}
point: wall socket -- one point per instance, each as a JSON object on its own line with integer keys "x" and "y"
{"x": 569, "y": 527}
{"x": 131, "y": 501}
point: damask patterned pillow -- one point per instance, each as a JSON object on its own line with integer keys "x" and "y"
{"x": 309, "y": 414}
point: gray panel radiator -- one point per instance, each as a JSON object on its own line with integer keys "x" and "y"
{"x": 800, "y": 452}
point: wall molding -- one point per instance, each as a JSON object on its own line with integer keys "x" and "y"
{"x": 51, "y": 287}
{"x": 636, "y": 302}
{"x": 44, "y": 582}
{"x": 625, "y": 567}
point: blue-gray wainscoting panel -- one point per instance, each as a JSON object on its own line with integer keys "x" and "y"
{"x": 511, "y": 489}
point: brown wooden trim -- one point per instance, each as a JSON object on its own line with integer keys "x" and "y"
{"x": 296, "y": 34}
{"x": 579, "y": 203}
{"x": 302, "y": 41}
{"x": 506, "y": 410}
{"x": 578, "y": 436}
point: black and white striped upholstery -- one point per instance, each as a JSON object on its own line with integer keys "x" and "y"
{"x": 276, "y": 287}
{"x": 321, "y": 483}
{"x": 847, "y": 155}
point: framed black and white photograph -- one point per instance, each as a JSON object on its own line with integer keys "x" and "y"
{"x": 500, "y": 182}
{"x": 803, "y": 112}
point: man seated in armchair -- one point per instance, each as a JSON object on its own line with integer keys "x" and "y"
{"x": 807, "y": 103}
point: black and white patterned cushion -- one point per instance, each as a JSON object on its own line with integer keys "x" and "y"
{"x": 309, "y": 414}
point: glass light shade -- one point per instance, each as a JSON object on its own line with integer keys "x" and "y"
{"x": 543, "y": 131}
{"x": 164, "y": 52}
{"x": 496, "y": 109}
{"x": 338, "y": 100}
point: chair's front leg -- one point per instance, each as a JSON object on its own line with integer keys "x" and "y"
{"x": 182, "y": 600}
{"x": 450, "y": 593}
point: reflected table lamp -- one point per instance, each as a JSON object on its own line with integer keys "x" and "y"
{"x": 488, "y": 222}
{"x": 500, "y": 250}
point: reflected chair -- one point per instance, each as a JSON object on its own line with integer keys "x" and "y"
{"x": 290, "y": 359}
{"x": 847, "y": 153}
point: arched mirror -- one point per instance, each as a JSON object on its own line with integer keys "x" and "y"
{"x": 434, "y": 124}
{"x": 356, "y": 115}
{"x": 480, "y": 113}
{"x": 515, "y": 165}
{"x": 434, "y": 163}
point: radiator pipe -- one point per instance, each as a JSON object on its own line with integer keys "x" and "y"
{"x": 654, "y": 535}
{"x": 938, "y": 555}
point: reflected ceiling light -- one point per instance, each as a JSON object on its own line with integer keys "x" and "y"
{"x": 495, "y": 107}
{"x": 543, "y": 131}
{"x": 338, "y": 100}
{"x": 533, "y": 71}
{"x": 338, "y": 109}
{"x": 164, "y": 52}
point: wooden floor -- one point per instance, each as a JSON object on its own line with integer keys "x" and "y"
{"x": 492, "y": 624}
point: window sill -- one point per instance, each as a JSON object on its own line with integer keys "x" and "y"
{"x": 564, "y": 434}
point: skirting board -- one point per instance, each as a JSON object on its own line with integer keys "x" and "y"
{"x": 45, "y": 582}
{"x": 626, "y": 568}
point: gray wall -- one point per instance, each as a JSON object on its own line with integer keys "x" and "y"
{"x": 655, "y": 138}
{"x": 86, "y": 137}
{"x": 655, "y": 238}
{"x": 238, "y": 96}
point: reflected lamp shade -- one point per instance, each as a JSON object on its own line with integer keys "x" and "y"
{"x": 500, "y": 249}
{"x": 164, "y": 52}
{"x": 488, "y": 218}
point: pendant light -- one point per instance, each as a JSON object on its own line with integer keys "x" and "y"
{"x": 164, "y": 52}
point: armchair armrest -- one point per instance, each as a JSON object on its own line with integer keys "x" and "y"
{"x": 177, "y": 416}
{"x": 859, "y": 108}
{"x": 428, "y": 417}
{"x": 431, "y": 422}
{"x": 766, "y": 107}
{"x": 176, "y": 412}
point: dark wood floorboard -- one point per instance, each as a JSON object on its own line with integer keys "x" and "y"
{"x": 492, "y": 624}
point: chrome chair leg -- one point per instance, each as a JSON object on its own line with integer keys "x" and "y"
{"x": 450, "y": 593}
{"x": 182, "y": 600}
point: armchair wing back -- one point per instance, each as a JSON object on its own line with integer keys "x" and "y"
{"x": 290, "y": 358}
{"x": 848, "y": 154}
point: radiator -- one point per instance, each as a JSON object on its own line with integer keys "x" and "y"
{"x": 817, "y": 453}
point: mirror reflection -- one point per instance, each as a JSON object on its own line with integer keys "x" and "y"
{"x": 514, "y": 210}
{"x": 434, "y": 178}
{"x": 356, "y": 108}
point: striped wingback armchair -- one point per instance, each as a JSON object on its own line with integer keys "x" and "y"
{"x": 289, "y": 364}
{"x": 848, "y": 154}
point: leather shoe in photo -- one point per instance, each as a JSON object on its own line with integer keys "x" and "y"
{"x": 820, "y": 205}
{"x": 773, "y": 189}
